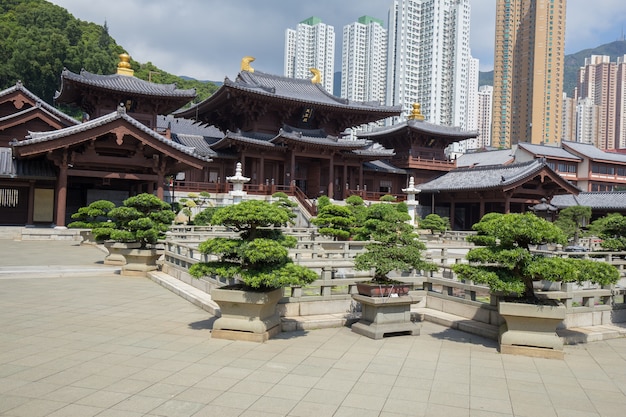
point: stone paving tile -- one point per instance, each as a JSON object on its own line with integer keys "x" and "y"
{"x": 120, "y": 347}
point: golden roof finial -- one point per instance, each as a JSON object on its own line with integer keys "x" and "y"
{"x": 317, "y": 76}
{"x": 416, "y": 113}
{"x": 123, "y": 67}
{"x": 245, "y": 63}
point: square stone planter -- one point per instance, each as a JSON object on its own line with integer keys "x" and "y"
{"x": 530, "y": 329}
{"x": 246, "y": 315}
{"x": 386, "y": 316}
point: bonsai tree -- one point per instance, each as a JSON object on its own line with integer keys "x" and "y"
{"x": 571, "y": 220}
{"x": 435, "y": 223}
{"x": 143, "y": 218}
{"x": 394, "y": 246}
{"x": 259, "y": 256}
{"x": 505, "y": 263}
{"x": 612, "y": 229}
{"x": 335, "y": 221}
{"x": 91, "y": 216}
{"x": 194, "y": 201}
{"x": 358, "y": 208}
{"x": 282, "y": 200}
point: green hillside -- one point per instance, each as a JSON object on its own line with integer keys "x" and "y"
{"x": 572, "y": 63}
{"x": 38, "y": 39}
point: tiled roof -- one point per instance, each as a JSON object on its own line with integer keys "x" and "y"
{"x": 383, "y": 166}
{"x": 253, "y": 139}
{"x": 483, "y": 178}
{"x": 38, "y": 137}
{"x": 420, "y": 126}
{"x": 548, "y": 151}
{"x": 32, "y": 169}
{"x": 125, "y": 83}
{"x": 592, "y": 152}
{"x": 299, "y": 90}
{"x": 329, "y": 141}
{"x": 615, "y": 200}
{"x": 473, "y": 159}
{"x": 187, "y": 126}
{"x": 53, "y": 111}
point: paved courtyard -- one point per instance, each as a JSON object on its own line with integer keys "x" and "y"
{"x": 79, "y": 340}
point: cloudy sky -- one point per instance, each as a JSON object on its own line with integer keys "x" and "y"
{"x": 206, "y": 39}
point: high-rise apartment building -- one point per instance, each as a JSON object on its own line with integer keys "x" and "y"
{"x": 604, "y": 83}
{"x": 364, "y": 59}
{"x": 428, "y": 58}
{"x": 528, "y": 72}
{"x": 311, "y": 45}
{"x": 472, "y": 94}
{"x": 485, "y": 99}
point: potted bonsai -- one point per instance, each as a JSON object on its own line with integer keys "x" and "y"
{"x": 134, "y": 232}
{"x": 95, "y": 215}
{"x": 258, "y": 265}
{"x": 504, "y": 262}
{"x": 394, "y": 246}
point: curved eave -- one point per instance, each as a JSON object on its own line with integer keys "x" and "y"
{"x": 231, "y": 139}
{"x": 35, "y": 140}
{"x": 291, "y": 139}
{"x": 420, "y": 127}
{"x": 501, "y": 178}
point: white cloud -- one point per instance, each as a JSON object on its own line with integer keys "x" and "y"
{"x": 207, "y": 39}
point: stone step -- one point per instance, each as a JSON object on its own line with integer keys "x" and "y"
{"x": 575, "y": 335}
{"x": 452, "y": 321}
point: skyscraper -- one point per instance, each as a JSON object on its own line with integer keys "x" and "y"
{"x": 364, "y": 59}
{"x": 528, "y": 72}
{"x": 604, "y": 83}
{"x": 311, "y": 45}
{"x": 428, "y": 58}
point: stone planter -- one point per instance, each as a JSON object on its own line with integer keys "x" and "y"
{"x": 116, "y": 252}
{"x": 386, "y": 316}
{"x": 530, "y": 329}
{"x": 140, "y": 261}
{"x": 380, "y": 290}
{"x": 246, "y": 315}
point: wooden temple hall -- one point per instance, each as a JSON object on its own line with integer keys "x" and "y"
{"x": 288, "y": 134}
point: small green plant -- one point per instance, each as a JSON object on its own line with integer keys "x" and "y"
{"x": 395, "y": 245}
{"x": 143, "y": 218}
{"x": 435, "y": 223}
{"x": 93, "y": 215}
{"x": 194, "y": 201}
{"x": 335, "y": 221}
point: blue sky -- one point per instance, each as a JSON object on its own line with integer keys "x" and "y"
{"x": 206, "y": 39}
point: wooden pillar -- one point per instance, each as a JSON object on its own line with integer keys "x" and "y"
{"x": 482, "y": 207}
{"x": 292, "y": 171}
{"x": 262, "y": 170}
{"x": 507, "y": 203}
{"x": 61, "y": 192}
{"x": 31, "y": 203}
{"x": 452, "y": 210}
{"x": 361, "y": 175}
{"x": 160, "y": 179}
{"x": 345, "y": 180}
{"x": 331, "y": 176}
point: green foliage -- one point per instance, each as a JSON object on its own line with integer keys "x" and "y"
{"x": 388, "y": 198}
{"x": 143, "y": 218}
{"x": 283, "y": 201}
{"x": 335, "y": 221}
{"x": 506, "y": 264}
{"x": 38, "y": 39}
{"x": 571, "y": 219}
{"x": 435, "y": 223}
{"x": 322, "y": 202}
{"x": 92, "y": 215}
{"x": 612, "y": 229}
{"x": 194, "y": 201}
{"x": 205, "y": 216}
{"x": 259, "y": 257}
{"x": 395, "y": 245}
